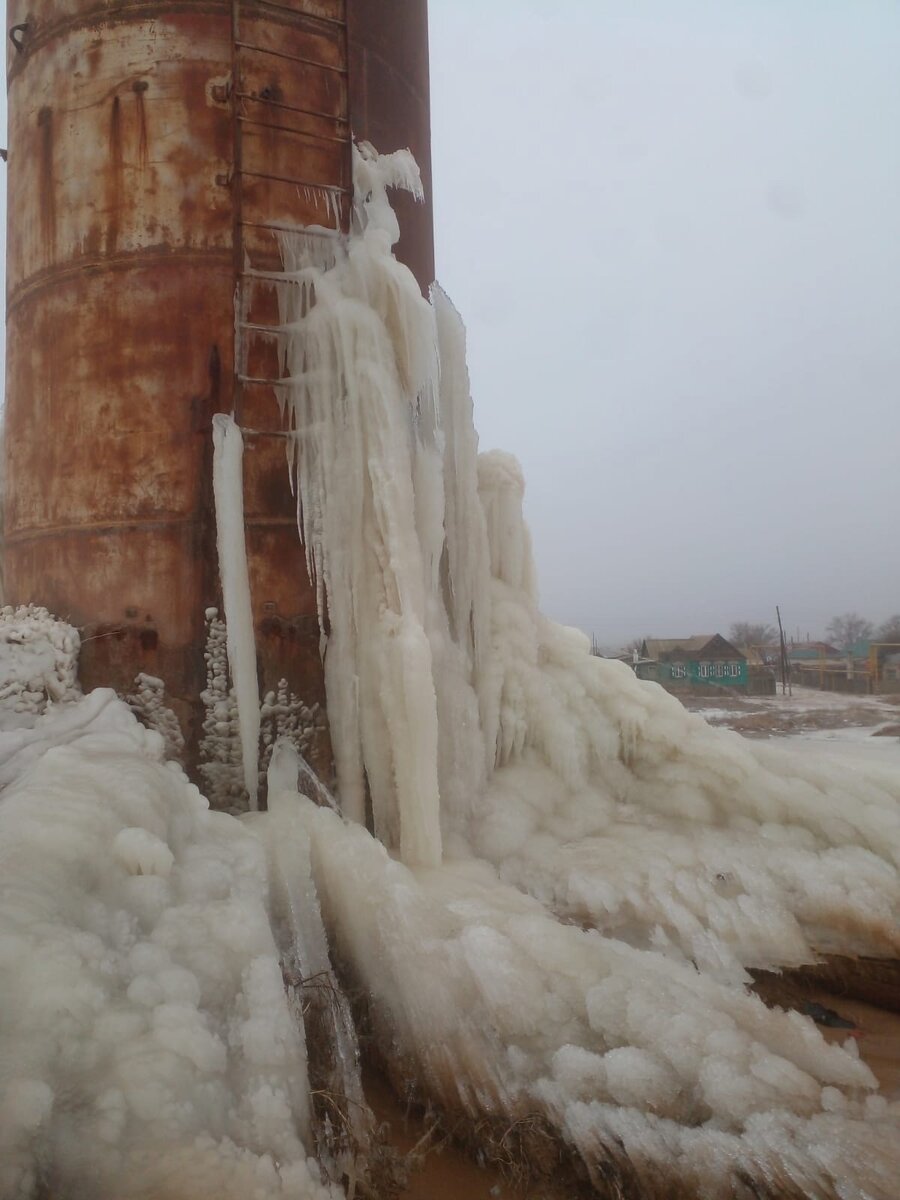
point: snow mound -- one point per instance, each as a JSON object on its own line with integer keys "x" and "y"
{"x": 147, "y": 1046}
{"x": 39, "y": 656}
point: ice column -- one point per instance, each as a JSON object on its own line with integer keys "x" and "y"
{"x": 228, "y": 488}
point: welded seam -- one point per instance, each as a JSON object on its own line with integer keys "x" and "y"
{"x": 136, "y": 524}
{"x": 40, "y": 281}
{"x": 124, "y": 14}
{"x": 33, "y": 533}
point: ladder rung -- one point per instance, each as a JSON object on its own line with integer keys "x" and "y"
{"x": 323, "y": 187}
{"x": 322, "y": 137}
{"x": 308, "y": 62}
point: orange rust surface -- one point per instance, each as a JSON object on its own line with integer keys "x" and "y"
{"x": 147, "y": 156}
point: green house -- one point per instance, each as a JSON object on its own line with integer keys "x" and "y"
{"x": 704, "y": 660}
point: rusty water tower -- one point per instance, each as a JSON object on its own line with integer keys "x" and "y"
{"x": 153, "y": 146}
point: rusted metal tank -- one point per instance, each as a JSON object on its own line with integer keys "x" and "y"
{"x": 152, "y": 149}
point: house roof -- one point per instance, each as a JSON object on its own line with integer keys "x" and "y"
{"x": 761, "y": 656}
{"x": 689, "y": 647}
{"x": 812, "y": 650}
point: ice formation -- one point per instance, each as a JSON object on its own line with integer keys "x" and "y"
{"x": 148, "y": 703}
{"x": 597, "y": 793}
{"x": 569, "y": 793}
{"x": 282, "y": 714}
{"x": 569, "y": 878}
{"x": 285, "y": 717}
{"x": 40, "y": 657}
{"x": 361, "y": 395}
{"x": 228, "y": 487}
{"x": 649, "y": 1068}
{"x": 221, "y": 752}
{"x": 147, "y": 1047}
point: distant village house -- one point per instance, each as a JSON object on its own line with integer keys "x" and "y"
{"x": 700, "y": 662}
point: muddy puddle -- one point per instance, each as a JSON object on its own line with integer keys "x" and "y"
{"x": 878, "y": 1038}
{"x": 445, "y": 1172}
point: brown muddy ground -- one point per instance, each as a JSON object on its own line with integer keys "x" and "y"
{"x": 444, "y": 1171}
{"x": 878, "y": 1040}
{"x": 441, "y": 1170}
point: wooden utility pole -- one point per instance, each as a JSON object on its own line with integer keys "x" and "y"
{"x": 785, "y": 661}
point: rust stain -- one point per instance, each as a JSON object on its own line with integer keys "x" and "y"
{"x": 139, "y": 87}
{"x": 47, "y": 187}
{"x": 114, "y": 177}
{"x": 205, "y": 406}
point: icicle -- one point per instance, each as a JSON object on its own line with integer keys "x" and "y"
{"x": 360, "y": 382}
{"x": 334, "y": 1049}
{"x": 228, "y": 487}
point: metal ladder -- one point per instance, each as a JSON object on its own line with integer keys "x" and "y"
{"x": 292, "y": 152}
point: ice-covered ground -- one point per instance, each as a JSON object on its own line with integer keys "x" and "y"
{"x": 805, "y": 709}
{"x": 860, "y": 744}
{"x": 568, "y": 877}
{"x": 854, "y": 729}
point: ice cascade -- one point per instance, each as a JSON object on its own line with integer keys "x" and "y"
{"x": 611, "y": 864}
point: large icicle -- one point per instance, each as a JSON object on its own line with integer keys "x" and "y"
{"x": 361, "y": 378}
{"x": 228, "y": 487}
{"x": 346, "y": 1137}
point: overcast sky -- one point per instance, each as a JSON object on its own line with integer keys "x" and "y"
{"x": 671, "y": 227}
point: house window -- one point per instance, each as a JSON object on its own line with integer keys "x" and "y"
{"x": 704, "y": 671}
{"x": 679, "y": 671}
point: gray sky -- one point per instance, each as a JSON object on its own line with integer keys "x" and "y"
{"x": 671, "y": 227}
